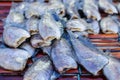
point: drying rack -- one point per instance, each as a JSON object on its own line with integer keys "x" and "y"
{"x": 102, "y": 41}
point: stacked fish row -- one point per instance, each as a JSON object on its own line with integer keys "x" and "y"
{"x": 56, "y": 27}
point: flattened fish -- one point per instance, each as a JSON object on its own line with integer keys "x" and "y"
{"x": 71, "y": 8}
{"x": 92, "y": 60}
{"x": 32, "y": 26}
{"x": 42, "y": 69}
{"x": 27, "y": 46}
{"x": 62, "y": 56}
{"x": 108, "y": 25}
{"x": 93, "y": 27}
{"x": 14, "y": 36}
{"x": 57, "y": 6}
{"x": 49, "y": 29}
{"x": 76, "y": 25}
{"x": 35, "y": 9}
{"x": 112, "y": 69}
{"x": 90, "y": 9}
{"x": 13, "y": 59}
{"x": 107, "y": 6}
{"x": 37, "y": 41}
{"x": 15, "y": 19}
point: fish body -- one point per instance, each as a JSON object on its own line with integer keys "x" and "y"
{"x": 90, "y": 9}
{"x": 42, "y": 69}
{"x": 13, "y": 59}
{"x": 32, "y": 26}
{"x": 107, "y": 6}
{"x": 76, "y": 25}
{"x": 93, "y": 27}
{"x": 14, "y": 36}
{"x": 37, "y": 41}
{"x": 92, "y": 60}
{"x": 71, "y": 8}
{"x": 62, "y": 56}
{"x": 28, "y": 47}
{"x": 109, "y": 26}
{"x": 112, "y": 69}
{"x": 49, "y": 29}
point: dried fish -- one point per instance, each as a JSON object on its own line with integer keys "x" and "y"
{"x": 37, "y": 41}
{"x": 15, "y": 18}
{"x": 13, "y": 59}
{"x": 93, "y": 27}
{"x": 57, "y": 6}
{"x": 27, "y": 46}
{"x": 109, "y": 26}
{"x": 92, "y": 60}
{"x": 35, "y": 9}
{"x": 112, "y": 69}
{"x": 71, "y": 8}
{"x": 32, "y": 26}
{"x": 62, "y": 56}
{"x": 90, "y": 9}
{"x": 14, "y": 36}
{"x": 42, "y": 69}
{"x": 50, "y": 29}
{"x": 76, "y": 25}
{"x": 107, "y": 6}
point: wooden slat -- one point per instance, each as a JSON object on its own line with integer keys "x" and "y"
{"x": 99, "y": 36}
{"x": 103, "y": 40}
{"x": 107, "y": 44}
{"x": 8, "y": 4}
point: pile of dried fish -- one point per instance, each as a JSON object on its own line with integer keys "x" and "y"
{"x": 56, "y": 27}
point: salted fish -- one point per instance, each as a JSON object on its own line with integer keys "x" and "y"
{"x": 92, "y": 60}
{"x": 42, "y": 69}
{"x": 14, "y": 36}
{"x": 13, "y": 59}
{"x": 62, "y": 56}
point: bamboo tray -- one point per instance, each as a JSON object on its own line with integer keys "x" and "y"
{"x": 102, "y": 41}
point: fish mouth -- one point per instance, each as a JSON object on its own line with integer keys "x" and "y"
{"x": 90, "y": 31}
{"x": 74, "y": 17}
{"x": 74, "y": 29}
{"x": 109, "y": 11}
{"x": 93, "y": 17}
{"x": 109, "y": 32}
{"x": 22, "y": 39}
{"x": 32, "y": 32}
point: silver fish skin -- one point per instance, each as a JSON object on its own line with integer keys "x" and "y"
{"x": 13, "y": 59}
{"x": 118, "y": 7}
{"x": 71, "y": 8}
{"x": 93, "y": 27}
{"x": 32, "y": 26}
{"x": 112, "y": 69}
{"x": 42, "y": 69}
{"x": 109, "y": 26}
{"x": 92, "y": 60}
{"x": 90, "y": 9}
{"x": 35, "y": 9}
{"x": 28, "y": 47}
{"x": 47, "y": 49}
{"x": 107, "y": 6}
{"x": 50, "y": 29}
{"x": 62, "y": 56}
{"x": 14, "y": 37}
{"x": 15, "y": 18}
{"x": 37, "y": 41}
{"x": 57, "y": 6}
{"x": 76, "y": 25}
